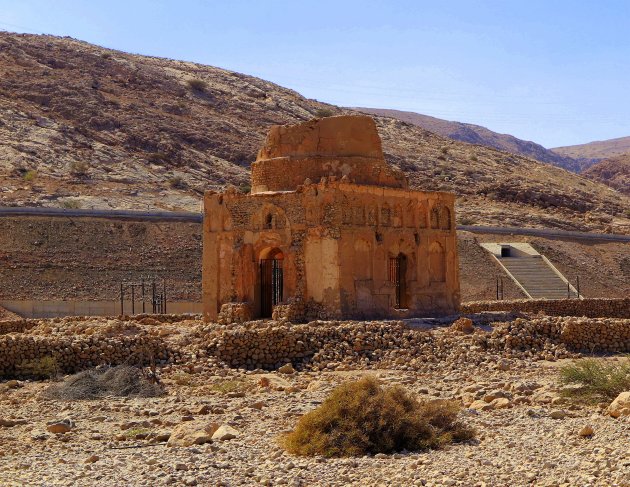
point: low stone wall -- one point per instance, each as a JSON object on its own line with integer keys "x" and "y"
{"x": 541, "y": 334}
{"x": 269, "y": 345}
{"x": 592, "y": 308}
{"x": 43, "y": 348}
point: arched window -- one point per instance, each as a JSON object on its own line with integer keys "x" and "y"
{"x": 358, "y": 215}
{"x": 422, "y": 216}
{"x": 386, "y": 215}
{"x": 445, "y": 218}
{"x": 437, "y": 263}
{"x": 268, "y": 224}
{"x": 397, "y": 218}
{"x": 435, "y": 217}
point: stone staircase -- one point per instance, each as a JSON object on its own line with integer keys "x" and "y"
{"x": 538, "y": 279}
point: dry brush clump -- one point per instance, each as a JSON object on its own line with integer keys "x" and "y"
{"x": 363, "y": 417}
{"x": 121, "y": 381}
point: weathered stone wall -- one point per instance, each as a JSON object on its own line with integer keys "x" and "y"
{"x": 317, "y": 345}
{"x": 336, "y": 240}
{"x": 34, "y": 347}
{"x": 592, "y": 307}
{"x": 328, "y": 209}
{"x": 69, "y": 345}
{"x": 578, "y": 334}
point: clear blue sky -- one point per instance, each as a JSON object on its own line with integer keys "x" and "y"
{"x": 556, "y": 72}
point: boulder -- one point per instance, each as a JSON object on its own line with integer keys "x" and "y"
{"x": 480, "y": 405}
{"x": 501, "y": 403}
{"x": 286, "y": 369}
{"x": 225, "y": 432}
{"x": 464, "y": 325}
{"x": 62, "y": 426}
{"x": 620, "y": 406}
{"x": 192, "y": 433}
{"x": 586, "y": 431}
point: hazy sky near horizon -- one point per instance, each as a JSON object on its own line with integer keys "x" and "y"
{"x": 556, "y": 72}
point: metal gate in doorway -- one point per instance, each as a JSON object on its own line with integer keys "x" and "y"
{"x": 397, "y": 271}
{"x": 270, "y": 285}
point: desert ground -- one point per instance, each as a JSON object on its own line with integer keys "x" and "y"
{"x": 528, "y": 432}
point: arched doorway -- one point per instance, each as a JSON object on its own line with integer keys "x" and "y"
{"x": 398, "y": 275}
{"x": 271, "y": 282}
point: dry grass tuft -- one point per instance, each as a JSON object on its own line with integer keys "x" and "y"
{"x": 363, "y": 417}
{"x": 121, "y": 381}
{"x": 593, "y": 380}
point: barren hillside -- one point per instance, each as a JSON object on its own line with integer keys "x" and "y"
{"x": 597, "y": 150}
{"x": 85, "y": 126}
{"x": 615, "y": 172}
{"x": 476, "y": 134}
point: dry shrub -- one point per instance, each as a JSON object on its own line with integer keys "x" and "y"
{"x": 198, "y": 85}
{"x": 593, "y": 380}
{"x": 39, "y": 368}
{"x": 121, "y": 381}
{"x": 363, "y": 417}
{"x": 324, "y": 112}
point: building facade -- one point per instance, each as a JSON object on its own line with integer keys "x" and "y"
{"x": 329, "y": 230}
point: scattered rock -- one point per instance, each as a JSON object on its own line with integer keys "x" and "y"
{"x": 7, "y": 423}
{"x": 586, "y": 431}
{"x": 620, "y": 406}
{"x": 286, "y": 369}
{"x": 62, "y": 426}
{"x": 225, "y": 432}
{"x": 558, "y": 414}
{"x": 192, "y": 433}
{"x": 92, "y": 459}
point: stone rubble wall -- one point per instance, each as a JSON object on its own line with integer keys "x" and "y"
{"x": 592, "y": 307}
{"x": 587, "y": 335}
{"x": 46, "y": 347}
{"x": 317, "y": 344}
{"x": 69, "y": 345}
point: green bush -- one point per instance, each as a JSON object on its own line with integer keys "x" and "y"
{"x": 362, "y": 417}
{"x": 594, "y": 380}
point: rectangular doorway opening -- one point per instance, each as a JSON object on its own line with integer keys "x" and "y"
{"x": 397, "y": 275}
{"x": 270, "y": 285}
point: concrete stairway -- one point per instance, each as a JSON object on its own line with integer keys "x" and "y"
{"x": 536, "y": 277}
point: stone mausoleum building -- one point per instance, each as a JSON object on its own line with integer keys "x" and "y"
{"x": 329, "y": 230}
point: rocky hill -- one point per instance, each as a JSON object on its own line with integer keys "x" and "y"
{"x": 615, "y": 172}
{"x": 84, "y": 126}
{"x": 476, "y": 134}
{"x": 596, "y": 151}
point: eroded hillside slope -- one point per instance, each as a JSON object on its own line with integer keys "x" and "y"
{"x": 84, "y": 126}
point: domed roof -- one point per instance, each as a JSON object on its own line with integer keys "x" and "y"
{"x": 340, "y": 146}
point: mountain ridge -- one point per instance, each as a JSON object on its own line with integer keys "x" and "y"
{"x": 477, "y": 134}
{"x": 596, "y": 150}
{"x": 85, "y": 126}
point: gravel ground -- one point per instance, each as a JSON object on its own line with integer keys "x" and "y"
{"x": 532, "y": 439}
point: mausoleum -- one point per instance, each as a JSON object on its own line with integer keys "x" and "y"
{"x": 329, "y": 231}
